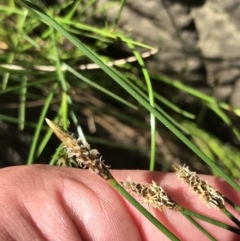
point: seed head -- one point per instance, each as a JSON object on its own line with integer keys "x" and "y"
{"x": 207, "y": 194}
{"x": 152, "y": 194}
{"x": 84, "y": 155}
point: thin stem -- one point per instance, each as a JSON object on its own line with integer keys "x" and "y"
{"x": 232, "y": 204}
{"x": 141, "y": 209}
{"x": 209, "y": 220}
{"x": 45, "y": 108}
{"x": 200, "y": 228}
{"x": 229, "y": 215}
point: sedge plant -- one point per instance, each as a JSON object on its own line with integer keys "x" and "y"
{"x": 59, "y": 29}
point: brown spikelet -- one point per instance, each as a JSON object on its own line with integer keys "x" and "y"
{"x": 207, "y": 194}
{"x": 84, "y": 155}
{"x": 152, "y": 194}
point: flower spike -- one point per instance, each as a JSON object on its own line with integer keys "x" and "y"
{"x": 208, "y": 195}
{"x": 84, "y": 155}
{"x": 152, "y": 194}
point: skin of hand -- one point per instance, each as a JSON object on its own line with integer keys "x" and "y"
{"x": 41, "y": 202}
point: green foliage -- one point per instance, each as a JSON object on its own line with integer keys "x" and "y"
{"x": 40, "y": 59}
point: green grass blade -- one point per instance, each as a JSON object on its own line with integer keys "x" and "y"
{"x": 210, "y": 220}
{"x": 204, "y": 231}
{"x": 102, "y": 32}
{"x": 225, "y": 118}
{"x": 44, "y": 140}
{"x": 196, "y": 93}
{"x": 64, "y": 84}
{"x": 73, "y": 9}
{"x": 39, "y": 126}
{"x": 16, "y": 41}
{"x": 115, "y": 22}
{"x": 16, "y": 120}
{"x": 152, "y": 103}
{"x": 86, "y": 6}
{"x": 55, "y": 156}
{"x": 22, "y": 103}
{"x": 99, "y": 87}
{"x": 26, "y": 85}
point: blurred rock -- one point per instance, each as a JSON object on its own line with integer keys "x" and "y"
{"x": 199, "y": 40}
